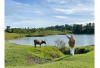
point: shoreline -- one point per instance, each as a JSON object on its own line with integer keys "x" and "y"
{"x": 50, "y": 45}
{"x": 11, "y": 36}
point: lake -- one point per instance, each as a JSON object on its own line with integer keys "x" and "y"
{"x": 81, "y": 40}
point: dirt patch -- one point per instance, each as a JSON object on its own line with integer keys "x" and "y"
{"x": 31, "y": 60}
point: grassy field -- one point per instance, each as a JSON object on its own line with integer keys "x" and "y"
{"x": 22, "y": 56}
{"x": 77, "y": 61}
{"x": 9, "y": 36}
{"x": 47, "y": 32}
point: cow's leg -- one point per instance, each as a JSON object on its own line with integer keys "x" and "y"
{"x": 35, "y": 45}
{"x": 40, "y": 45}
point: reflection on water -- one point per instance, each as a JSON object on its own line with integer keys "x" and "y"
{"x": 81, "y": 40}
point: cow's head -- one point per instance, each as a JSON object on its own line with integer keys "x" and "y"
{"x": 44, "y": 42}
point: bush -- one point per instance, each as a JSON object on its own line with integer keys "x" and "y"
{"x": 60, "y": 43}
{"x": 81, "y": 50}
{"x": 78, "y": 50}
{"x": 64, "y": 50}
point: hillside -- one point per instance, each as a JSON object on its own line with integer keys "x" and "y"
{"x": 23, "y": 56}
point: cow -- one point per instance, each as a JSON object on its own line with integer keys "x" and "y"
{"x": 38, "y": 41}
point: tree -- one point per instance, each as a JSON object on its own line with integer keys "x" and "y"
{"x": 77, "y": 29}
{"x": 8, "y": 29}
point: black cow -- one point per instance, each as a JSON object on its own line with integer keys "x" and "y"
{"x": 39, "y": 41}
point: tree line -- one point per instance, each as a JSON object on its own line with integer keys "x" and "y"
{"x": 75, "y": 28}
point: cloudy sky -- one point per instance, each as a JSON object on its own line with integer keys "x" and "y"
{"x": 43, "y": 13}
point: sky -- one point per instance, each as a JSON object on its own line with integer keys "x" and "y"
{"x": 44, "y": 13}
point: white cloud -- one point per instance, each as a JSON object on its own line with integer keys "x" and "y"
{"x": 74, "y": 10}
{"x": 15, "y": 27}
{"x": 84, "y": 22}
{"x": 63, "y": 2}
{"x": 66, "y": 11}
{"x": 13, "y": 7}
{"x": 76, "y": 6}
{"x": 58, "y": 1}
{"x": 38, "y": 12}
{"x": 61, "y": 17}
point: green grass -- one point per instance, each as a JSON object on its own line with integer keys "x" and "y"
{"x": 77, "y": 61}
{"x": 9, "y": 36}
{"x": 23, "y": 56}
{"x": 47, "y": 32}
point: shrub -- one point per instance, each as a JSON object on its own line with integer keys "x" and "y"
{"x": 60, "y": 43}
{"x": 81, "y": 50}
{"x": 78, "y": 50}
{"x": 64, "y": 50}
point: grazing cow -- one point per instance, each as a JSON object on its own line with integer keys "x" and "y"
{"x": 39, "y": 41}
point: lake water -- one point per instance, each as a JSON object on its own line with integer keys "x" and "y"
{"x": 81, "y": 40}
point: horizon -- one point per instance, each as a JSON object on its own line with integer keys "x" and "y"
{"x": 53, "y": 26}
{"x": 45, "y": 13}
